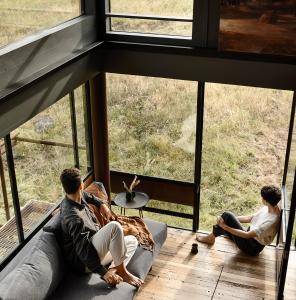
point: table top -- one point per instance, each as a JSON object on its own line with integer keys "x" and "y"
{"x": 139, "y": 201}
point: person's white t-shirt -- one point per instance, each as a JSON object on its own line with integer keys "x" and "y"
{"x": 265, "y": 225}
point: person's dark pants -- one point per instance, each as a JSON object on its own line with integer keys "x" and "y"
{"x": 248, "y": 246}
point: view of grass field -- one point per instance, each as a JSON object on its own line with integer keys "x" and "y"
{"x": 152, "y": 125}
{"x": 20, "y": 18}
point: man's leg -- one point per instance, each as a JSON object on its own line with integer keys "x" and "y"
{"x": 131, "y": 244}
{"x": 110, "y": 238}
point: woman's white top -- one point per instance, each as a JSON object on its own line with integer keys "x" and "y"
{"x": 265, "y": 225}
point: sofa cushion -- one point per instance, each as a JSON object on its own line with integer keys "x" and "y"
{"x": 54, "y": 225}
{"x": 91, "y": 286}
{"x": 141, "y": 261}
{"x": 38, "y": 275}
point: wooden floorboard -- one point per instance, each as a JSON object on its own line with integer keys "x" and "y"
{"x": 220, "y": 271}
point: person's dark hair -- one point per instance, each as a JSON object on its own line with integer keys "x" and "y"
{"x": 271, "y": 194}
{"x": 71, "y": 180}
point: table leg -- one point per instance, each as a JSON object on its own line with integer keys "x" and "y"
{"x": 121, "y": 210}
{"x": 141, "y": 213}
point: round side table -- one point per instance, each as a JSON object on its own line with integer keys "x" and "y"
{"x": 138, "y": 202}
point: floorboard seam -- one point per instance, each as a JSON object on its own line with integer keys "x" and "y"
{"x": 217, "y": 283}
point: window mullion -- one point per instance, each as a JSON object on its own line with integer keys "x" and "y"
{"x": 14, "y": 190}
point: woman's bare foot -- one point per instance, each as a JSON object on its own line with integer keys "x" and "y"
{"x": 207, "y": 239}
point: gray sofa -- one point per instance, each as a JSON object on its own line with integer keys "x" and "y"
{"x": 39, "y": 271}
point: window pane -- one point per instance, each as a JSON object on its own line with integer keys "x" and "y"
{"x": 152, "y": 126}
{"x": 168, "y": 8}
{"x": 21, "y": 18}
{"x": 152, "y": 26}
{"x": 82, "y": 130}
{"x": 258, "y": 26}
{"x": 182, "y": 8}
{"x": 244, "y": 143}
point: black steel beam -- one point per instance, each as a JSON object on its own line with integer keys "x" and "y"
{"x": 198, "y": 154}
{"x": 13, "y": 186}
{"x": 200, "y": 65}
{"x": 286, "y": 252}
{"x": 74, "y": 129}
{"x": 289, "y": 141}
{"x": 42, "y": 90}
{"x": 148, "y": 17}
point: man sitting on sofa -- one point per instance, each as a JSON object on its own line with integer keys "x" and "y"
{"x": 87, "y": 246}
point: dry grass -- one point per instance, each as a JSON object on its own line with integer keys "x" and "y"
{"x": 152, "y": 124}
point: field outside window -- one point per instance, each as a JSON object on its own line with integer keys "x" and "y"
{"x": 21, "y": 18}
{"x": 167, "y": 8}
{"x": 244, "y": 144}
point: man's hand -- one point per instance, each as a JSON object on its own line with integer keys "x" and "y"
{"x": 112, "y": 278}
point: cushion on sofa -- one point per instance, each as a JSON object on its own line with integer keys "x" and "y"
{"x": 38, "y": 275}
{"x": 91, "y": 286}
{"x": 141, "y": 261}
{"x": 54, "y": 225}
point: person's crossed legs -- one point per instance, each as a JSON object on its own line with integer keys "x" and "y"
{"x": 249, "y": 246}
{"x": 110, "y": 239}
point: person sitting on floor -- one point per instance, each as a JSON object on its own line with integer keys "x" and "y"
{"x": 88, "y": 246}
{"x": 264, "y": 225}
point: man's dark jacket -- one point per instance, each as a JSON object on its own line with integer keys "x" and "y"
{"x": 79, "y": 225}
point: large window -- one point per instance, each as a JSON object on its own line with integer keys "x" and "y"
{"x": 267, "y": 27}
{"x": 152, "y": 126}
{"x": 55, "y": 139}
{"x": 167, "y": 17}
{"x": 22, "y": 17}
{"x": 152, "y": 132}
{"x": 244, "y": 142}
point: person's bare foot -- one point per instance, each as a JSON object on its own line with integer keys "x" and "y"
{"x": 207, "y": 239}
{"x": 127, "y": 276}
{"x": 131, "y": 279}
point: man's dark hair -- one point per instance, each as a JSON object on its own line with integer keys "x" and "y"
{"x": 71, "y": 180}
{"x": 271, "y": 194}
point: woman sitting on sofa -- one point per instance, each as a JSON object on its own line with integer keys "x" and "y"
{"x": 263, "y": 225}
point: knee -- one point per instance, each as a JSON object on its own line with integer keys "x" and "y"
{"x": 227, "y": 215}
{"x": 116, "y": 227}
{"x": 133, "y": 240}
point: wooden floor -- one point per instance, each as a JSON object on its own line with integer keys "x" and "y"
{"x": 217, "y": 272}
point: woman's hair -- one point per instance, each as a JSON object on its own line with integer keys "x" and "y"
{"x": 271, "y": 194}
{"x": 71, "y": 180}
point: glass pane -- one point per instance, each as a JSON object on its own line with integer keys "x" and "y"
{"x": 82, "y": 131}
{"x": 258, "y": 26}
{"x": 21, "y": 18}
{"x": 152, "y": 26}
{"x": 182, "y": 8}
{"x": 43, "y": 148}
{"x": 152, "y": 126}
{"x": 244, "y": 143}
{"x": 8, "y": 231}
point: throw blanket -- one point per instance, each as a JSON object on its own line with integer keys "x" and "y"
{"x": 131, "y": 225}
